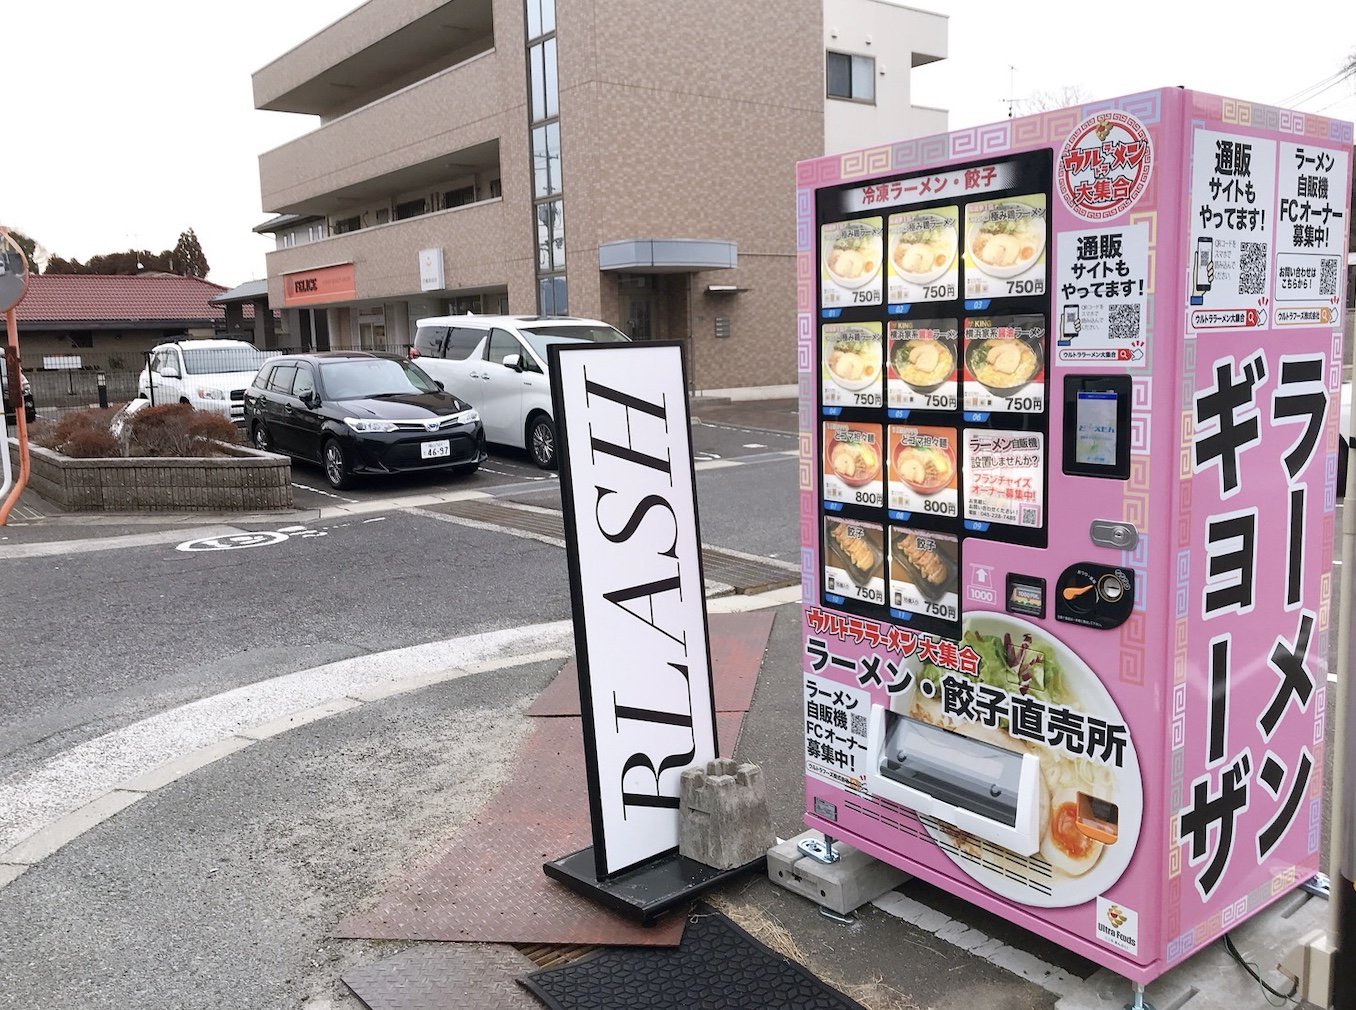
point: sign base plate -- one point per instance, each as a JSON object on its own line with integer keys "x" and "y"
{"x": 647, "y": 891}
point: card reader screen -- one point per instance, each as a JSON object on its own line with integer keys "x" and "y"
{"x": 1095, "y": 433}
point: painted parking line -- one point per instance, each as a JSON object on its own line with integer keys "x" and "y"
{"x": 321, "y": 491}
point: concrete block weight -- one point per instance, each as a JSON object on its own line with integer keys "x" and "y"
{"x": 723, "y": 820}
{"x": 842, "y": 886}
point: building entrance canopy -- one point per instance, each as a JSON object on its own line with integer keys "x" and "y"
{"x": 667, "y": 255}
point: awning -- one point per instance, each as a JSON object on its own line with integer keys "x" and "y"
{"x": 667, "y": 255}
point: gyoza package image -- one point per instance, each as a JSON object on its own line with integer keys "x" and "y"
{"x": 854, "y": 559}
{"x": 923, "y": 573}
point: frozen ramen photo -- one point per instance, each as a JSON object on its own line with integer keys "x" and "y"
{"x": 922, "y": 254}
{"x": 1007, "y": 244}
{"x": 853, "y": 259}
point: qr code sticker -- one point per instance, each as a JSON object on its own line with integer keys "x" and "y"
{"x": 1124, "y": 321}
{"x": 858, "y": 724}
{"x": 1327, "y": 277}
{"x": 1028, "y": 515}
{"x": 1252, "y": 268}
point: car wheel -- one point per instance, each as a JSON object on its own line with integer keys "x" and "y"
{"x": 336, "y": 465}
{"x": 541, "y": 441}
{"x": 259, "y": 436}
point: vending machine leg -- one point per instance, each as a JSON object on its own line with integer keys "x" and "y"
{"x": 1139, "y": 1003}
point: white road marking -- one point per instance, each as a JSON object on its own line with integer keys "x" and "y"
{"x": 63, "y": 547}
{"x": 327, "y": 494}
{"x": 378, "y": 519}
{"x": 754, "y": 445}
{"x": 43, "y": 809}
{"x": 69, "y": 781}
{"x": 238, "y": 541}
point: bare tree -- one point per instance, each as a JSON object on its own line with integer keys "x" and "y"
{"x": 1043, "y": 101}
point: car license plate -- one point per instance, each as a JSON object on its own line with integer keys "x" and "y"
{"x": 432, "y": 450}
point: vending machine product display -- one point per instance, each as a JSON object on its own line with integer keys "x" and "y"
{"x": 1069, "y": 407}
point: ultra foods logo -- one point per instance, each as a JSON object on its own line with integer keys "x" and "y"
{"x": 1105, "y": 165}
{"x": 1117, "y": 926}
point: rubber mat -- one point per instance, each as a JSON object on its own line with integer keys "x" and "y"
{"x": 487, "y": 884}
{"x": 718, "y": 966}
{"x": 449, "y": 976}
{"x": 738, "y": 642}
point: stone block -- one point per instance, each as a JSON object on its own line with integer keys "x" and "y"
{"x": 723, "y": 819}
{"x": 843, "y": 886}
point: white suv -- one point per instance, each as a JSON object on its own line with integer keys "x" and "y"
{"x": 497, "y": 364}
{"x": 207, "y": 374}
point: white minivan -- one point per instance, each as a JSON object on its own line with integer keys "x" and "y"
{"x": 497, "y": 364}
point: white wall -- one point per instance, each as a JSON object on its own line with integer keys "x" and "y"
{"x": 897, "y": 37}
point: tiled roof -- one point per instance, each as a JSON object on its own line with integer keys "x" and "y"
{"x": 118, "y": 298}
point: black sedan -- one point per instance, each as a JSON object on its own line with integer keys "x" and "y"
{"x": 360, "y": 413}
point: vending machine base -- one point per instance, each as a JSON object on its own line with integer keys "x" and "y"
{"x": 843, "y": 886}
{"x": 647, "y": 891}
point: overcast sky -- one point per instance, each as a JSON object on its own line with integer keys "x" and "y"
{"x": 129, "y": 122}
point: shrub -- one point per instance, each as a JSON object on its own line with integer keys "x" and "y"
{"x": 171, "y": 429}
{"x": 81, "y": 433}
{"x": 176, "y": 429}
{"x": 90, "y": 443}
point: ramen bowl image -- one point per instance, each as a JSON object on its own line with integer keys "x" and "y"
{"x": 927, "y": 469}
{"x": 924, "y": 364}
{"x": 854, "y": 364}
{"x": 1006, "y": 247}
{"x": 1004, "y": 366}
{"x": 854, "y": 463}
{"x": 921, "y": 255}
{"x": 853, "y": 261}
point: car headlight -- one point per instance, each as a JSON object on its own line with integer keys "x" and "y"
{"x": 466, "y": 417}
{"x": 210, "y": 394}
{"x": 369, "y": 424}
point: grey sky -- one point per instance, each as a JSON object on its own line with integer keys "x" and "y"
{"x": 133, "y": 121}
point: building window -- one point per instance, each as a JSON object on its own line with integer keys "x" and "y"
{"x": 551, "y": 296}
{"x": 541, "y": 18}
{"x": 544, "y": 135}
{"x": 851, "y": 77}
{"x": 289, "y": 239}
{"x": 459, "y": 197}
{"x": 550, "y": 236}
{"x": 546, "y": 160}
{"x": 496, "y": 189}
{"x": 315, "y": 232}
{"x": 347, "y": 224}
{"x": 541, "y": 61}
{"x": 383, "y": 215}
{"x": 410, "y": 208}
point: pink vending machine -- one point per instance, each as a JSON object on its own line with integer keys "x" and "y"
{"x": 1069, "y": 393}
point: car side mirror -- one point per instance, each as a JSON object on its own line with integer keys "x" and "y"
{"x": 439, "y": 384}
{"x": 169, "y": 372}
{"x": 311, "y": 400}
{"x": 514, "y": 362}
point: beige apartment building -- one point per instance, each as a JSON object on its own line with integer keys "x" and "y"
{"x": 619, "y": 159}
